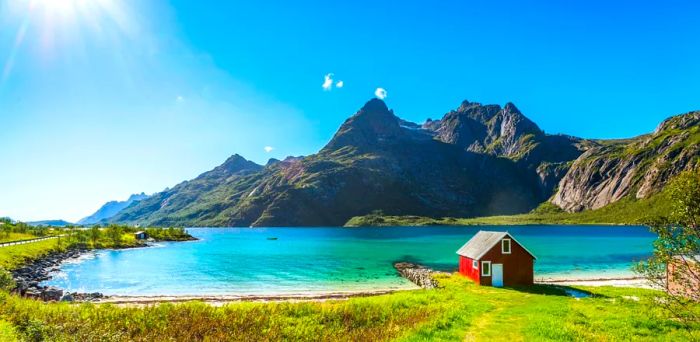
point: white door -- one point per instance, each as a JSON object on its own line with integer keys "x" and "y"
{"x": 497, "y": 275}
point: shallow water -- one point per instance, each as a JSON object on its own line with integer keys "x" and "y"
{"x": 239, "y": 261}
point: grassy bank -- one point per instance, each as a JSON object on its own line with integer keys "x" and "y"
{"x": 627, "y": 211}
{"x": 9, "y": 237}
{"x": 12, "y": 257}
{"x": 457, "y": 311}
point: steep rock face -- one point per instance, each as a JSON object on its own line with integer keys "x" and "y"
{"x": 506, "y": 132}
{"x": 638, "y": 167}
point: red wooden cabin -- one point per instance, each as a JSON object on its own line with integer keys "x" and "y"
{"x": 496, "y": 259}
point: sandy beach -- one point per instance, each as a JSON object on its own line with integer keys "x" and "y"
{"x": 218, "y": 300}
{"x": 619, "y": 282}
{"x": 223, "y": 299}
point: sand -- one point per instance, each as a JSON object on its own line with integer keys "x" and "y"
{"x": 218, "y": 300}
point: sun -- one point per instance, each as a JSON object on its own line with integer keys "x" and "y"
{"x": 51, "y": 28}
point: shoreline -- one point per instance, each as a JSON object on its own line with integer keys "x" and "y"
{"x": 29, "y": 277}
{"x": 637, "y": 282}
{"x": 223, "y": 299}
{"x": 220, "y": 299}
{"x": 44, "y": 268}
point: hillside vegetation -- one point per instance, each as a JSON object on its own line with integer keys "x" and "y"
{"x": 628, "y": 211}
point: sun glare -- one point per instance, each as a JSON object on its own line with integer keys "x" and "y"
{"x": 59, "y": 6}
{"x": 51, "y": 27}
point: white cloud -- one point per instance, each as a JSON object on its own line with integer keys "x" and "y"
{"x": 179, "y": 98}
{"x": 327, "y": 82}
{"x": 268, "y": 149}
{"x": 380, "y": 93}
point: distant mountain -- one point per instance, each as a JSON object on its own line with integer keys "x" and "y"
{"x": 193, "y": 201}
{"x": 50, "y": 223}
{"x": 476, "y": 160}
{"x": 110, "y": 209}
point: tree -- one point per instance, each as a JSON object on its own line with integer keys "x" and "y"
{"x": 676, "y": 253}
{"x": 94, "y": 235}
{"x": 114, "y": 233}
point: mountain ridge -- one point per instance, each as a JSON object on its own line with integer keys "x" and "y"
{"x": 476, "y": 160}
{"x": 110, "y": 209}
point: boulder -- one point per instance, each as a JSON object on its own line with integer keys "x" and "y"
{"x": 52, "y": 294}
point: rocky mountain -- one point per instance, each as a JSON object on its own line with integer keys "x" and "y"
{"x": 506, "y": 132}
{"x": 110, "y": 209}
{"x": 476, "y": 160}
{"x": 638, "y": 167}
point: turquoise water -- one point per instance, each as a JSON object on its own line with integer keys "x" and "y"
{"x": 239, "y": 261}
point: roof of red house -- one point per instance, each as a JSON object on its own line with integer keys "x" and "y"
{"x": 483, "y": 241}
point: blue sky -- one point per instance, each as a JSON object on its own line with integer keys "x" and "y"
{"x": 103, "y": 98}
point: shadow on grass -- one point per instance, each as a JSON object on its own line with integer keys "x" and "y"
{"x": 555, "y": 290}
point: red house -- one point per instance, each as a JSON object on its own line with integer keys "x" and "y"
{"x": 496, "y": 259}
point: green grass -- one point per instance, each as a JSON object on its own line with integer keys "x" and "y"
{"x": 12, "y": 257}
{"x": 459, "y": 310}
{"x": 7, "y": 332}
{"x": 9, "y": 237}
{"x": 623, "y": 212}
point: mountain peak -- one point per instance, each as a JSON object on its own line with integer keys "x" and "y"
{"x": 137, "y": 197}
{"x": 373, "y": 123}
{"x": 466, "y": 105}
{"x": 272, "y": 161}
{"x": 236, "y": 163}
{"x": 511, "y": 108}
{"x": 375, "y": 105}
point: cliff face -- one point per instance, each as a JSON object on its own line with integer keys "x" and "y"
{"x": 506, "y": 132}
{"x": 637, "y": 167}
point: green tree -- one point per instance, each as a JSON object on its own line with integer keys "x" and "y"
{"x": 95, "y": 235}
{"x": 678, "y": 245}
{"x": 114, "y": 234}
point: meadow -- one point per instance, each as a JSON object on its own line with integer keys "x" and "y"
{"x": 457, "y": 310}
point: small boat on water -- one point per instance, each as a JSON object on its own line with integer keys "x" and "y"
{"x": 272, "y": 238}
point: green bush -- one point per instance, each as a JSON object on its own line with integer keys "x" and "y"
{"x": 6, "y": 281}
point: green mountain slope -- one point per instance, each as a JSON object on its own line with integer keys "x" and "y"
{"x": 478, "y": 160}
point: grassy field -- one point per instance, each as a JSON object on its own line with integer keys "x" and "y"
{"x": 625, "y": 211}
{"x": 14, "y": 256}
{"x": 459, "y": 310}
{"x": 9, "y": 237}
